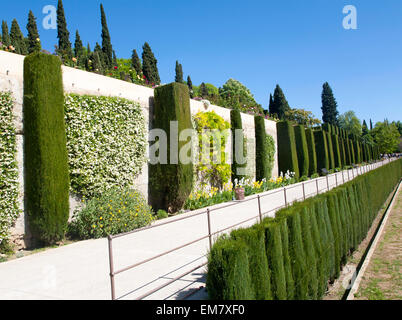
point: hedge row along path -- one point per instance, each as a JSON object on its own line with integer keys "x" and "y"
{"x": 81, "y": 270}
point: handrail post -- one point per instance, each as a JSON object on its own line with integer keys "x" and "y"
{"x": 209, "y": 229}
{"x": 336, "y": 179}
{"x": 343, "y": 176}
{"x": 259, "y": 207}
{"x": 110, "y": 239}
{"x": 348, "y": 175}
{"x": 327, "y": 182}
{"x": 304, "y": 192}
{"x": 286, "y": 200}
{"x": 316, "y": 183}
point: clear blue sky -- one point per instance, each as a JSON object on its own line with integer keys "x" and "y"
{"x": 297, "y": 44}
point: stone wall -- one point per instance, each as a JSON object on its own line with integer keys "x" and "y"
{"x": 82, "y": 82}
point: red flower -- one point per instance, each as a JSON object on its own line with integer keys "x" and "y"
{"x": 115, "y": 68}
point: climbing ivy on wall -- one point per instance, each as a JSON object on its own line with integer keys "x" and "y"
{"x": 9, "y": 209}
{"x": 106, "y": 142}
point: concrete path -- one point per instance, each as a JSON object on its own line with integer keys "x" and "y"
{"x": 81, "y": 270}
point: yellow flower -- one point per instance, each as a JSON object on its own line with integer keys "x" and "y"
{"x": 101, "y": 218}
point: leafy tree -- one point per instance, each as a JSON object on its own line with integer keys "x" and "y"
{"x": 179, "y": 73}
{"x": 136, "y": 62}
{"x": 399, "y": 126}
{"x": 5, "y": 36}
{"x": 302, "y": 117}
{"x": 149, "y": 65}
{"x": 34, "y": 44}
{"x": 349, "y": 122}
{"x": 280, "y": 104}
{"x": 386, "y": 136}
{"x": 106, "y": 41}
{"x": 17, "y": 38}
{"x": 64, "y": 49}
{"x": 329, "y": 105}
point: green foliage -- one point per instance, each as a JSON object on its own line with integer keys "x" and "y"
{"x": 302, "y": 150}
{"x": 171, "y": 184}
{"x": 64, "y": 49}
{"x": 235, "y": 95}
{"x": 280, "y": 105}
{"x": 213, "y": 133}
{"x": 350, "y": 123}
{"x": 179, "y": 73}
{"x": 329, "y": 105}
{"x": 228, "y": 276}
{"x": 312, "y": 155}
{"x": 34, "y": 44}
{"x": 237, "y": 166}
{"x": 254, "y": 238}
{"x": 9, "y": 207}
{"x": 321, "y": 149}
{"x": 270, "y": 153}
{"x": 17, "y": 38}
{"x": 287, "y": 152}
{"x": 337, "y": 151}
{"x": 149, "y": 65}
{"x": 274, "y": 253}
{"x": 106, "y": 142}
{"x": 115, "y": 211}
{"x": 301, "y": 116}
{"x": 162, "y": 214}
{"x": 261, "y": 160}
{"x": 386, "y": 136}
{"x": 331, "y": 155}
{"x": 287, "y": 264}
{"x": 107, "y": 48}
{"x": 136, "y": 63}
{"x": 5, "y": 36}
{"x": 45, "y": 152}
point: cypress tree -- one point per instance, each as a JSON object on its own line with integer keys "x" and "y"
{"x": 98, "y": 61}
{"x": 371, "y": 125}
{"x": 114, "y": 59}
{"x": 106, "y": 41}
{"x": 5, "y": 36}
{"x": 236, "y": 124}
{"x": 271, "y": 105}
{"x": 17, "y": 38}
{"x": 329, "y": 105}
{"x": 364, "y": 128}
{"x": 203, "y": 90}
{"x": 179, "y": 73}
{"x": 79, "y": 49}
{"x": 34, "y": 44}
{"x": 280, "y": 104}
{"x": 261, "y": 160}
{"x": 64, "y": 49}
{"x": 149, "y": 65}
{"x": 136, "y": 62}
{"x": 190, "y": 87}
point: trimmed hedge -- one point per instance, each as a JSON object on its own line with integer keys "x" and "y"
{"x": 302, "y": 150}
{"x": 171, "y": 184}
{"x": 236, "y": 124}
{"x": 321, "y": 148}
{"x": 337, "y": 151}
{"x": 45, "y": 153}
{"x": 262, "y": 167}
{"x": 312, "y": 169}
{"x": 321, "y": 232}
{"x": 330, "y": 151}
{"x": 287, "y": 153}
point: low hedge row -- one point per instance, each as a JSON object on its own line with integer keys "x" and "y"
{"x": 305, "y": 246}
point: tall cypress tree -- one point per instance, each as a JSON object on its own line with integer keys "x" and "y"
{"x": 114, "y": 59}
{"x": 17, "y": 38}
{"x": 64, "y": 49}
{"x": 365, "y": 128}
{"x": 136, "y": 62}
{"x": 280, "y": 105}
{"x": 190, "y": 87}
{"x": 98, "y": 60}
{"x": 106, "y": 41}
{"x": 271, "y": 104}
{"x": 179, "y": 73}
{"x": 371, "y": 125}
{"x": 5, "y": 36}
{"x": 79, "y": 52}
{"x": 34, "y": 44}
{"x": 149, "y": 65}
{"x": 329, "y": 105}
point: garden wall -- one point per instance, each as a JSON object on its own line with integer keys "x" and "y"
{"x": 82, "y": 82}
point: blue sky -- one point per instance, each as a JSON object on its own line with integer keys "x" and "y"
{"x": 297, "y": 44}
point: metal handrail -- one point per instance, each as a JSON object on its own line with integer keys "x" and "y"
{"x": 211, "y": 234}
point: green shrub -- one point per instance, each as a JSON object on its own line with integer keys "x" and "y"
{"x": 330, "y": 151}
{"x": 287, "y": 153}
{"x": 274, "y": 252}
{"x": 45, "y": 153}
{"x": 162, "y": 214}
{"x": 337, "y": 151}
{"x": 228, "y": 276}
{"x": 270, "y": 154}
{"x": 321, "y": 148}
{"x": 302, "y": 150}
{"x": 311, "y": 152}
{"x": 352, "y": 152}
{"x": 171, "y": 184}
{"x": 333, "y": 210}
{"x": 261, "y": 163}
{"x": 342, "y": 151}
{"x": 357, "y": 152}
{"x": 115, "y": 211}
{"x": 236, "y": 124}
{"x": 327, "y": 128}
{"x": 254, "y": 238}
{"x": 287, "y": 264}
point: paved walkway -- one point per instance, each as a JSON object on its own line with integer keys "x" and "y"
{"x": 81, "y": 270}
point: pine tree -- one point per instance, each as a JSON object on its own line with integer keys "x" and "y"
{"x": 190, "y": 87}
{"x": 179, "y": 73}
{"x": 106, "y": 41}
{"x": 17, "y": 38}
{"x": 149, "y": 65}
{"x": 136, "y": 62}
{"x": 5, "y": 37}
{"x": 329, "y": 105}
{"x": 34, "y": 44}
{"x": 64, "y": 49}
{"x": 280, "y": 105}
